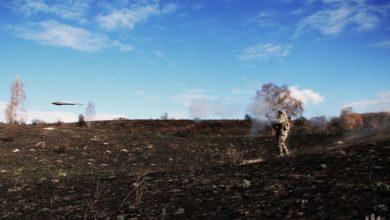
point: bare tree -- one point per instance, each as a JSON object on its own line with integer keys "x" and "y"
{"x": 90, "y": 113}
{"x": 272, "y": 98}
{"x": 164, "y": 116}
{"x": 18, "y": 97}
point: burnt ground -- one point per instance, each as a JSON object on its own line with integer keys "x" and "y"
{"x": 157, "y": 169}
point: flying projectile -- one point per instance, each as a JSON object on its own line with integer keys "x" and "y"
{"x": 66, "y": 103}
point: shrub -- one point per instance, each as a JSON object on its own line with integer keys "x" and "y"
{"x": 318, "y": 124}
{"x": 9, "y": 133}
{"x": 37, "y": 122}
{"x": 164, "y": 116}
{"x": 350, "y": 120}
{"x": 81, "y": 122}
{"x": 59, "y": 123}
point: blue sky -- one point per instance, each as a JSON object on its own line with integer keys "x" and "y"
{"x": 194, "y": 58}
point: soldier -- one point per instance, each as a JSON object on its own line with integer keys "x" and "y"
{"x": 282, "y": 127}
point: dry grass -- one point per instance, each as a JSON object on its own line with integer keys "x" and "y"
{"x": 91, "y": 209}
{"x": 137, "y": 191}
{"x": 234, "y": 155}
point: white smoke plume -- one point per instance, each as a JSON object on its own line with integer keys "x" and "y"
{"x": 259, "y": 113}
{"x": 202, "y": 109}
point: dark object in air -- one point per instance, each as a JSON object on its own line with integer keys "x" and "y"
{"x": 65, "y": 103}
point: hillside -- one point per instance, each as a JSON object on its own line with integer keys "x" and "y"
{"x": 151, "y": 168}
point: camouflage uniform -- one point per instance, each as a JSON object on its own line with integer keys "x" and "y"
{"x": 282, "y": 127}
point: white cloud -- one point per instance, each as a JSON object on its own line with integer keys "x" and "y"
{"x": 205, "y": 106}
{"x": 212, "y": 109}
{"x": 197, "y": 6}
{"x": 58, "y": 34}
{"x": 128, "y": 18}
{"x": 141, "y": 93}
{"x": 105, "y": 16}
{"x": 340, "y": 15}
{"x": 189, "y": 96}
{"x": 264, "y": 19}
{"x": 61, "y": 35}
{"x": 307, "y": 96}
{"x": 64, "y": 116}
{"x": 169, "y": 8}
{"x": 263, "y": 52}
{"x": 159, "y": 54}
{"x": 240, "y": 91}
{"x": 122, "y": 47}
{"x": 3, "y": 105}
{"x": 51, "y": 116}
{"x": 68, "y": 9}
{"x": 383, "y": 44}
{"x": 381, "y": 102}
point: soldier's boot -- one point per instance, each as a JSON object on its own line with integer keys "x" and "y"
{"x": 286, "y": 149}
{"x": 281, "y": 154}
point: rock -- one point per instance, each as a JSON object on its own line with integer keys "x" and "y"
{"x": 3, "y": 171}
{"x": 180, "y": 211}
{"x": 40, "y": 144}
{"x": 246, "y": 184}
{"x": 62, "y": 173}
{"x": 45, "y": 210}
{"x": 323, "y": 166}
{"x": 124, "y": 150}
{"x": 95, "y": 139}
{"x": 121, "y": 217}
{"x": 32, "y": 150}
{"x": 16, "y": 150}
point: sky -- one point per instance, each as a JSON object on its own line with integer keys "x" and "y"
{"x": 193, "y": 58}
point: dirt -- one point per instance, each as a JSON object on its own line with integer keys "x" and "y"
{"x": 179, "y": 169}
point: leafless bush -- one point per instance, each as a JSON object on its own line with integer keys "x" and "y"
{"x": 36, "y": 122}
{"x": 59, "y": 123}
{"x": 90, "y": 113}
{"x": 319, "y": 123}
{"x": 139, "y": 187}
{"x": 165, "y": 116}
{"x": 81, "y": 122}
{"x": 100, "y": 192}
{"x": 18, "y": 97}
{"x": 234, "y": 155}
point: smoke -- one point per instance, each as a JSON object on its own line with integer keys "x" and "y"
{"x": 259, "y": 112}
{"x": 201, "y": 109}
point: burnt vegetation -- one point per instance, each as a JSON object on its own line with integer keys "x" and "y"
{"x": 192, "y": 169}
